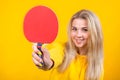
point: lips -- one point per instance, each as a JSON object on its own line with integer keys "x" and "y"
{"x": 78, "y": 41}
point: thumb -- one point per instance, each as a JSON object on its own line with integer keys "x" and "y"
{"x": 45, "y": 52}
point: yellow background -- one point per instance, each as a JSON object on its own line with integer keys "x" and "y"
{"x": 15, "y": 51}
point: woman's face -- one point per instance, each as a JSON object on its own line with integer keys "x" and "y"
{"x": 79, "y": 32}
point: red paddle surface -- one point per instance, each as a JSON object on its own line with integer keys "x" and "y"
{"x": 40, "y": 25}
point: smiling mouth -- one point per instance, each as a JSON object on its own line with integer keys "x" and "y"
{"x": 79, "y": 41}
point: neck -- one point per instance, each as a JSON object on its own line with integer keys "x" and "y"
{"x": 83, "y": 51}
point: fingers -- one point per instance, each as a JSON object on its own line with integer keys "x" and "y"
{"x": 35, "y": 62}
{"x": 36, "y": 59}
{"x": 35, "y": 47}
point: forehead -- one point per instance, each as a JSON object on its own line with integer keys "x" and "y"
{"x": 79, "y": 22}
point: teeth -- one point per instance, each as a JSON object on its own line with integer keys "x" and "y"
{"x": 79, "y": 41}
{"x": 81, "y": 38}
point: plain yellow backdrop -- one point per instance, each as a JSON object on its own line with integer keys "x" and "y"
{"x": 15, "y": 51}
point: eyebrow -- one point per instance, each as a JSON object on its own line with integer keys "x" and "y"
{"x": 72, "y": 26}
{"x": 85, "y": 27}
{"x": 82, "y": 27}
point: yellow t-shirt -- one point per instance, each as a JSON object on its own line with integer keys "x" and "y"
{"x": 76, "y": 69}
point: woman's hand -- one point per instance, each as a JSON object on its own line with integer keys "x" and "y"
{"x": 45, "y": 59}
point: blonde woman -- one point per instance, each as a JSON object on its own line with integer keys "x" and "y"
{"x": 81, "y": 58}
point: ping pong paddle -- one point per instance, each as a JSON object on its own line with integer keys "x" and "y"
{"x": 40, "y": 26}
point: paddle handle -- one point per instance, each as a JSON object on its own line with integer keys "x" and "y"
{"x": 39, "y": 45}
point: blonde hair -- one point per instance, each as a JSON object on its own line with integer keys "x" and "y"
{"x": 94, "y": 47}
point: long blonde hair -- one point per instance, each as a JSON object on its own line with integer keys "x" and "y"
{"x": 94, "y": 46}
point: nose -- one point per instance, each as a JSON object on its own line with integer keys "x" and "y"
{"x": 79, "y": 33}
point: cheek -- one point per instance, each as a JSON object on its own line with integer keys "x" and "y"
{"x": 87, "y": 36}
{"x": 72, "y": 35}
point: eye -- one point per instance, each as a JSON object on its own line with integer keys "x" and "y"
{"x": 74, "y": 29}
{"x": 85, "y": 29}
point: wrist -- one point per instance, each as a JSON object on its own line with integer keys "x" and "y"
{"x": 52, "y": 64}
{"x": 48, "y": 66}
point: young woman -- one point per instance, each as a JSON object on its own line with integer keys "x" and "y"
{"x": 81, "y": 58}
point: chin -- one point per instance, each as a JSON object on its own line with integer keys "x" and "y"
{"x": 79, "y": 45}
